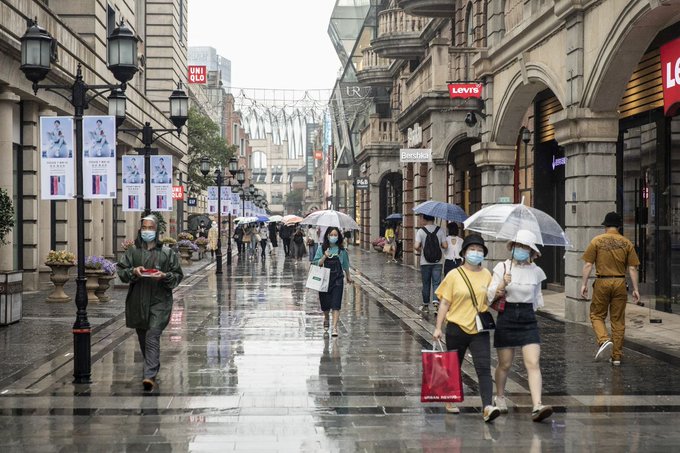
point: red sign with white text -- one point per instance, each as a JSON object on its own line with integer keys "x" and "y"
{"x": 318, "y": 154}
{"x": 465, "y": 90}
{"x": 198, "y": 74}
{"x": 670, "y": 75}
{"x": 178, "y": 192}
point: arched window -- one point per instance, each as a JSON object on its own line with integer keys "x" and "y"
{"x": 469, "y": 26}
{"x": 258, "y": 163}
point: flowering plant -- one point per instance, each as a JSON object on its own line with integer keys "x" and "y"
{"x": 379, "y": 242}
{"x": 128, "y": 243}
{"x": 188, "y": 244}
{"x": 60, "y": 257}
{"x": 185, "y": 236}
{"x": 201, "y": 241}
{"x": 100, "y": 263}
{"x": 169, "y": 241}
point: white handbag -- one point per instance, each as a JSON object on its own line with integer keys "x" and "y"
{"x": 318, "y": 278}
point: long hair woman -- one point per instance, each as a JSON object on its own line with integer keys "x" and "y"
{"x": 332, "y": 255}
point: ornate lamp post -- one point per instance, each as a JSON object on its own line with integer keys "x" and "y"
{"x": 38, "y": 49}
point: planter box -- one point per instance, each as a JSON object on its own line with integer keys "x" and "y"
{"x": 11, "y": 296}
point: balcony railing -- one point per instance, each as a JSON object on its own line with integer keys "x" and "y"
{"x": 429, "y": 8}
{"x": 399, "y": 34}
{"x": 380, "y": 131}
{"x": 373, "y": 69}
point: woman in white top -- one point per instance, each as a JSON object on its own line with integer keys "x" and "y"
{"x": 519, "y": 280}
{"x": 452, "y": 258}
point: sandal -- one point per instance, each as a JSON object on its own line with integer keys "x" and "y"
{"x": 326, "y": 324}
{"x": 335, "y": 332}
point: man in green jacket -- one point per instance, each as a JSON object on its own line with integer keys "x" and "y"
{"x": 152, "y": 271}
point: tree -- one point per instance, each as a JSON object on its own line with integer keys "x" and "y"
{"x": 294, "y": 201}
{"x": 6, "y": 216}
{"x": 205, "y": 140}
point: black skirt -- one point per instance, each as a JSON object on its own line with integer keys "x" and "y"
{"x": 516, "y": 327}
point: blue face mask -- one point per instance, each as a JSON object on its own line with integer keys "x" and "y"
{"x": 148, "y": 236}
{"x": 520, "y": 255}
{"x": 474, "y": 257}
{"x": 333, "y": 239}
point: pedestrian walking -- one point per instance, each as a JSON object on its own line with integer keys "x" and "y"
{"x": 312, "y": 240}
{"x": 273, "y": 239}
{"x": 612, "y": 254}
{"x": 285, "y": 233}
{"x": 238, "y": 238}
{"x": 459, "y": 304}
{"x": 332, "y": 255}
{"x": 264, "y": 239}
{"x": 213, "y": 235}
{"x": 152, "y": 271}
{"x": 390, "y": 242}
{"x": 519, "y": 280}
{"x": 298, "y": 244}
{"x": 452, "y": 257}
{"x": 430, "y": 241}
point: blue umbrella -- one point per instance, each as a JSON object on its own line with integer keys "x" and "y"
{"x": 395, "y": 216}
{"x": 262, "y": 218}
{"x": 447, "y": 211}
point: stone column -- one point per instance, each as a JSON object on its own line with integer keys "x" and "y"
{"x": 589, "y": 140}
{"x": 497, "y": 164}
{"x": 36, "y": 221}
{"x": 438, "y": 180}
{"x": 409, "y": 219}
{"x": 7, "y": 102}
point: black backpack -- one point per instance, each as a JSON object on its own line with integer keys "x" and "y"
{"x": 432, "y": 250}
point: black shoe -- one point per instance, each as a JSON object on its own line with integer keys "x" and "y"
{"x": 148, "y": 384}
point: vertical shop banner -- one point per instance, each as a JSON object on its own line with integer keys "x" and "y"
{"x": 99, "y": 157}
{"x": 235, "y": 204}
{"x": 57, "y": 172}
{"x": 225, "y": 197}
{"x": 212, "y": 199}
{"x": 133, "y": 183}
{"x": 161, "y": 183}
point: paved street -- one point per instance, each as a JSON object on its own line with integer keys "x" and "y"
{"x": 245, "y": 366}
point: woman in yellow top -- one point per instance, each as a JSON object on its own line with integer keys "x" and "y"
{"x": 457, "y": 306}
{"x": 391, "y": 242}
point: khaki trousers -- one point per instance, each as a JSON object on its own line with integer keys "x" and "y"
{"x": 609, "y": 296}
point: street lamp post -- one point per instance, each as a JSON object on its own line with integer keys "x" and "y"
{"x": 205, "y": 169}
{"x": 37, "y": 54}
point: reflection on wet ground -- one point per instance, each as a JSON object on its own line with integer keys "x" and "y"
{"x": 245, "y": 366}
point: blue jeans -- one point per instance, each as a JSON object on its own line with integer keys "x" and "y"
{"x": 431, "y": 275}
{"x": 312, "y": 251}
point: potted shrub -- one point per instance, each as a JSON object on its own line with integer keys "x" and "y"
{"x": 184, "y": 236}
{"x": 60, "y": 262}
{"x": 104, "y": 280}
{"x": 94, "y": 268}
{"x": 11, "y": 281}
{"x": 186, "y": 249}
{"x": 170, "y": 242}
{"x": 202, "y": 244}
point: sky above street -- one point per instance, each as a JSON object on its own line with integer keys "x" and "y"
{"x": 271, "y": 43}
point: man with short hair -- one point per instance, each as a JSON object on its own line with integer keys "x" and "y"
{"x": 152, "y": 271}
{"x": 430, "y": 271}
{"x": 612, "y": 254}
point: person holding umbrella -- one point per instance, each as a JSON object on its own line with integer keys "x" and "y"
{"x": 519, "y": 281}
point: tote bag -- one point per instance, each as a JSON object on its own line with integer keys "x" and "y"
{"x": 318, "y": 278}
{"x": 442, "y": 381}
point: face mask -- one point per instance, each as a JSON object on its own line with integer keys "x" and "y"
{"x": 520, "y": 255}
{"x": 474, "y": 257}
{"x": 333, "y": 239}
{"x": 148, "y": 236}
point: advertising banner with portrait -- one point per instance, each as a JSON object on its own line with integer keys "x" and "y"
{"x": 161, "y": 183}
{"x": 133, "y": 183}
{"x": 57, "y": 172}
{"x": 212, "y": 199}
{"x": 235, "y": 204}
{"x": 99, "y": 157}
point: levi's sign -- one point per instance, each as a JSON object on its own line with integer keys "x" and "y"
{"x": 670, "y": 75}
{"x": 465, "y": 90}
{"x": 415, "y": 155}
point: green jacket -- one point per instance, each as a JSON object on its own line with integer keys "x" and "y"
{"x": 149, "y": 302}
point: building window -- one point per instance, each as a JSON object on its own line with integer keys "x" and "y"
{"x": 234, "y": 135}
{"x": 258, "y": 162}
{"x": 277, "y": 174}
{"x": 243, "y": 148}
{"x": 277, "y": 198}
{"x": 470, "y": 26}
{"x": 181, "y": 21}
{"x": 110, "y": 20}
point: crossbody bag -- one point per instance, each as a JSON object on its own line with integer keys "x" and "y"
{"x": 483, "y": 319}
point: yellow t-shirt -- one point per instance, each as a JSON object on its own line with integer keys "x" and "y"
{"x": 461, "y": 309}
{"x": 389, "y": 234}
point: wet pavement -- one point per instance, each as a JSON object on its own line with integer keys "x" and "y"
{"x": 246, "y": 366}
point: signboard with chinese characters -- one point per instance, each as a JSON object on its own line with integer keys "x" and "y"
{"x": 212, "y": 200}
{"x": 161, "y": 183}
{"x": 57, "y": 173}
{"x": 133, "y": 183}
{"x": 418, "y": 155}
{"x": 99, "y": 157}
{"x": 198, "y": 74}
{"x": 465, "y": 90}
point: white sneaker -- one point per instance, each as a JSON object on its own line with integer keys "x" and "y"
{"x": 605, "y": 348}
{"x": 424, "y": 308}
{"x": 451, "y": 408}
{"x": 491, "y": 413}
{"x": 501, "y": 404}
{"x": 615, "y": 362}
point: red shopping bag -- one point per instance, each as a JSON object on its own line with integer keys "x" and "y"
{"x": 442, "y": 381}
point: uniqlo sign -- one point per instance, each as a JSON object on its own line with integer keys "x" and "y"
{"x": 670, "y": 75}
{"x": 178, "y": 192}
{"x": 198, "y": 74}
{"x": 465, "y": 90}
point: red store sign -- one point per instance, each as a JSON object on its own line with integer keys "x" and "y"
{"x": 198, "y": 74}
{"x": 670, "y": 75}
{"x": 465, "y": 90}
{"x": 178, "y": 192}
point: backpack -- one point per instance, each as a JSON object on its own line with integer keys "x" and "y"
{"x": 432, "y": 250}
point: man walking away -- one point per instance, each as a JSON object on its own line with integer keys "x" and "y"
{"x": 272, "y": 235}
{"x": 285, "y": 234}
{"x": 612, "y": 254}
{"x": 152, "y": 271}
{"x": 431, "y": 240}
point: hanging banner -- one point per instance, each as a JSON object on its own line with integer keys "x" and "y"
{"x": 99, "y": 157}
{"x": 133, "y": 183}
{"x": 212, "y": 199}
{"x": 161, "y": 183}
{"x": 235, "y": 204}
{"x": 225, "y": 197}
{"x": 57, "y": 173}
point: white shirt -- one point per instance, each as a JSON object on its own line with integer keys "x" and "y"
{"x": 311, "y": 234}
{"x": 421, "y": 237}
{"x": 525, "y": 287}
{"x": 453, "y": 250}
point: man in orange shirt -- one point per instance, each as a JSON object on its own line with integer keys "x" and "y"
{"x": 612, "y": 254}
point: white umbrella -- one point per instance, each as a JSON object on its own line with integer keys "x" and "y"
{"x": 275, "y": 218}
{"x": 503, "y": 221}
{"x": 331, "y": 218}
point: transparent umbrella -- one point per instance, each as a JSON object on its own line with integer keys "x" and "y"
{"x": 331, "y": 218}
{"x": 503, "y": 221}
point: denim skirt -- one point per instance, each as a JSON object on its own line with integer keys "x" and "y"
{"x": 516, "y": 326}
